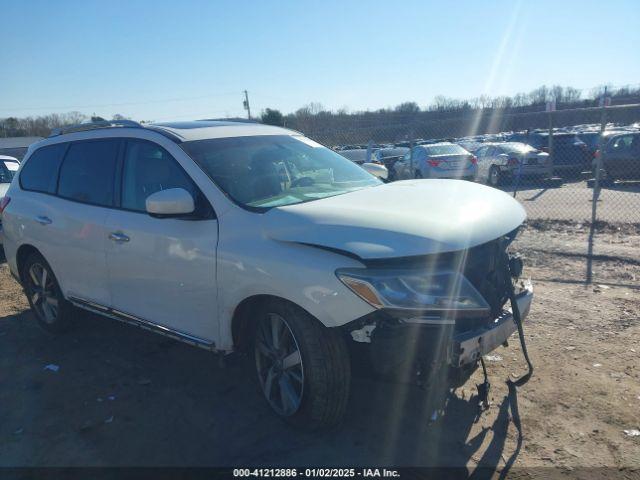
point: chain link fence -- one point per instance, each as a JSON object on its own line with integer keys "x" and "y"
{"x": 577, "y": 170}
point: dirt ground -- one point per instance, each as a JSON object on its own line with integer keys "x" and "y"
{"x": 123, "y": 396}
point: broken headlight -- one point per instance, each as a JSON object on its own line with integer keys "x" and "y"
{"x": 414, "y": 290}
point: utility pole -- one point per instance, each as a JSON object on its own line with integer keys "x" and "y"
{"x": 246, "y": 105}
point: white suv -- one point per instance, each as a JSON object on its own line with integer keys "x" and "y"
{"x": 238, "y": 236}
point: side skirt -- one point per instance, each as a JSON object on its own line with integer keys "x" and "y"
{"x": 141, "y": 323}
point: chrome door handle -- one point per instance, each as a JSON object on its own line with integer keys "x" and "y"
{"x": 43, "y": 220}
{"x": 118, "y": 237}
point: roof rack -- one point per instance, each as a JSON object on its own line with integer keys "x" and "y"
{"x": 81, "y": 127}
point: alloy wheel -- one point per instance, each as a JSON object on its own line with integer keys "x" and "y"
{"x": 279, "y": 364}
{"x": 42, "y": 293}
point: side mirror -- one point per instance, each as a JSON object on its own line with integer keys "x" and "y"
{"x": 170, "y": 202}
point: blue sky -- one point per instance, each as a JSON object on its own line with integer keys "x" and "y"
{"x": 158, "y": 60}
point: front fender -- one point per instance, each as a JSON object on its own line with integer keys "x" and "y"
{"x": 303, "y": 275}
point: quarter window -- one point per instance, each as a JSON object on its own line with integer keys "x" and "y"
{"x": 40, "y": 172}
{"x": 87, "y": 173}
{"x": 148, "y": 169}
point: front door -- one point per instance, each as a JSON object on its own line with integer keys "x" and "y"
{"x": 162, "y": 270}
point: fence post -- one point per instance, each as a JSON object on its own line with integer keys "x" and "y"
{"x": 411, "y": 169}
{"x": 516, "y": 180}
{"x": 596, "y": 191}
{"x": 550, "y": 144}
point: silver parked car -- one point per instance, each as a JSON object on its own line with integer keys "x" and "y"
{"x": 498, "y": 162}
{"x": 437, "y": 160}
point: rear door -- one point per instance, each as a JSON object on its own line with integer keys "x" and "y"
{"x": 162, "y": 270}
{"x": 64, "y": 212}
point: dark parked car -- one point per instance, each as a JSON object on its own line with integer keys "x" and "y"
{"x": 621, "y": 157}
{"x": 388, "y": 157}
{"x": 592, "y": 138}
{"x": 570, "y": 155}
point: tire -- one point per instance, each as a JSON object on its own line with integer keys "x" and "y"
{"x": 317, "y": 378}
{"x": 418, "y": 174}
{"x": 495, "y": 177}
{"x": 52, "y": 311}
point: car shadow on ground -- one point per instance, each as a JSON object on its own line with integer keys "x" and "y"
{"x": 618, "y": 186}
{"x": 123, "y": 396}
{"x": 530, "y": 189}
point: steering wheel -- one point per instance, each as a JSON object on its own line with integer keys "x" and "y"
{"x": 303, "y": 182}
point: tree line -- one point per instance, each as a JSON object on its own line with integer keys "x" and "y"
{"x": 314, "y": 118}
{"x": 449, "y": 117}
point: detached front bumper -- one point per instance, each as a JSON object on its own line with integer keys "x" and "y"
{"x": 469, "y": 346}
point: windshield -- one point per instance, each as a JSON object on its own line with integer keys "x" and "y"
{"x": 8, "y": 170}
{"x": 275, "y": 170}
{"x": 447, "y": 149}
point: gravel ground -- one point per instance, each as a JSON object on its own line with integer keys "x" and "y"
{"x": 124, "y": 396}
{"x": 556, "y": 200}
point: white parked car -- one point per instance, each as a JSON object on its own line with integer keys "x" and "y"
{"x": 501, "y": 162}
{"x": 246, "y": 237}
{"x": 8, "y": 168}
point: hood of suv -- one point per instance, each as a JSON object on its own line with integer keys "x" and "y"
{"x": 408, "y": 218}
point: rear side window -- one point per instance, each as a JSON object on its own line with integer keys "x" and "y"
{"x": 40, "y": 172}
{"x": 87, "y": 173}
{"x": 451, "y": 149}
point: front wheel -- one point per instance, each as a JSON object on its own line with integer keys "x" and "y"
{"x": 303, "y": 367}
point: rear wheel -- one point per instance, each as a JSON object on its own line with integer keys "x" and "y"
{"x": 495, "y": 176}
{"x": 303, "y": 367}
{"x": 52, "y": 311}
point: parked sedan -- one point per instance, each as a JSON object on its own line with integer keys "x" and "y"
{"x": 571, "y": 156}
{"x": 374, "y": 167}
{"x": 621, "y": 157}
{"x": 591, "y": 138}
{"x": 8, "y": 168}
{"x": 498, "y": 162}
{"x": 438, "y": 160}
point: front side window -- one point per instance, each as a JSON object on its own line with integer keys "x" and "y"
{"x": 274, "y": 170}
{"x": 621, "y": 143}
{"x": 87, "y": 173}
{"x": 148, "y": 168}
{"x": 482, "y": 151}
{"x": 40, "y": 172}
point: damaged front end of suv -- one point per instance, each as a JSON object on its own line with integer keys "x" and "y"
{"x": 437, "y": 315}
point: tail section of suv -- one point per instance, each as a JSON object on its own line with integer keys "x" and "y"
{"x": 253, "y": 238}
